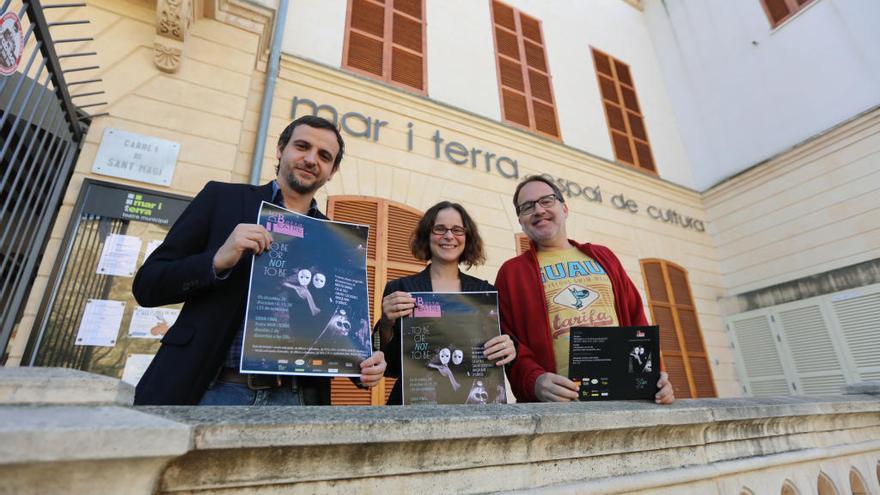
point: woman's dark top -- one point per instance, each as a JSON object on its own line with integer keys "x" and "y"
{"x": 420, "y": 282}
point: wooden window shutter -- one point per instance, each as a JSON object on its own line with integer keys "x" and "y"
{"x": 760, "y": 356}
{"x": 681, "y": 340}
{"x": 808, "y": 340}
{"x": 858, "y": 319}
{"x": 388, "y": 257}
{"x": 386, "y": 40}
{"x": 779, "y": 11}
{"x": 524, "y": 80}
{"x": 626, "y": 124}
{"x": 522, "y": 243}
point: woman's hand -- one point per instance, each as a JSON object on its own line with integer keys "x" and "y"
{"x": 500, "y": 348}
{"x": 396, "y": 305}
{"x": 373, "y": 369}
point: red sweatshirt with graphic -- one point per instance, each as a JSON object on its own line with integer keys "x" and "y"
{"x": 524, "y": 312}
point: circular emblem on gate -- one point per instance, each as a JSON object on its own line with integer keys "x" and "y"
{"x": 11, "y": 43}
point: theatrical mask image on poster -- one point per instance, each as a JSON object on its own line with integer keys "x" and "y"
{"x": 615, "y": 363}
{"x": 308, "y": 310}
{"x": 442, "y": 359}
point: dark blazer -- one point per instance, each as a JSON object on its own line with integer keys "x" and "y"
{"x": 420, "y": 282}
{"x": 181, "y": 270}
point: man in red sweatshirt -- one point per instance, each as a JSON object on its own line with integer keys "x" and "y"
{"x": 555, "y": 285}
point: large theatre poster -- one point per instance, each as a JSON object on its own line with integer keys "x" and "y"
{"x": 442, "y": 350}
{"x": 308, "y": 310}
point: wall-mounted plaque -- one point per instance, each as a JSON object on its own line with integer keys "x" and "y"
{"x": 137, "y": 157}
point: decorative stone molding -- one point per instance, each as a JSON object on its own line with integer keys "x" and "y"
{"x": 167, "y": 58}
{"x": 249, "y": 16}
{"x": 173, "y": 19}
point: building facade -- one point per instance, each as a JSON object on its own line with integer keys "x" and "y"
{"x": 702, "y": 143}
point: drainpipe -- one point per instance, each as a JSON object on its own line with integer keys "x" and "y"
{"x": 268, "y": 91}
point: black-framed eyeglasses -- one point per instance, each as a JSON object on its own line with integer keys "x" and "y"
{"x": 528, "y": 207}
{"x": 442, "y": 230}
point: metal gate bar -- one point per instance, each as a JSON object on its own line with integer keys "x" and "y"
{"x": 82, "y": 245}
{"x": 41, "y": 133}
{"x": 12, "y": 228}
{"x": 82, "y": 282}
{"x": 36, "y": 211}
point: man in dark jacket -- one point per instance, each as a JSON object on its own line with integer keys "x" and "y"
{"x": 205, "y": 263}
{"x": 555, "y": 285}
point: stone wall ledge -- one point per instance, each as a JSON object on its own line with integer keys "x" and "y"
{"x": 31, "y": 434}
{"x": 258, "y": 427}
{"x": 61, "y": 386}
{"x": 95, "y": 445}
{"x": 610, "y": 447}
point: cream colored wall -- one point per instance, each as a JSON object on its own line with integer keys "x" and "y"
{"x": 316, "y": 30}
{"x": 202, "y": 107}
{"x": 744, "y": 90}
{"x": 809, "y": 210}
{"x": 461, "y": 56}
{"x": 418, "y": 179}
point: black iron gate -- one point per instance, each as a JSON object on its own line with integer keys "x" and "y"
{"x": 41, "y": 133}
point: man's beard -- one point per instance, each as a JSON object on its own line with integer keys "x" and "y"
{"x": 299, "y": 187}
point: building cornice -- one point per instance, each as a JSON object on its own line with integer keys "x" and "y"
{"x": 760, "y": 171}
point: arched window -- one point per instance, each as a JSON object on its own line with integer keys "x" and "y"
{"x": 681, "y": 340}
{"x": 388, "y": 258}
{"x": 825, "y": 486}
{"x": 856, "y": 483}
{"x": 788, "y": 489}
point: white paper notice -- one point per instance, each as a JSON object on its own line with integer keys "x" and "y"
{"x": 135, "y": 366}
{"x": 151, "y": 246}
{"x": 120, "y": 255}
{"x": 151, "y": 323}
{"x": 100, "y": 323}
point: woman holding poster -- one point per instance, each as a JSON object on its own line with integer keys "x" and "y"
{"x": 446, "y": 237}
